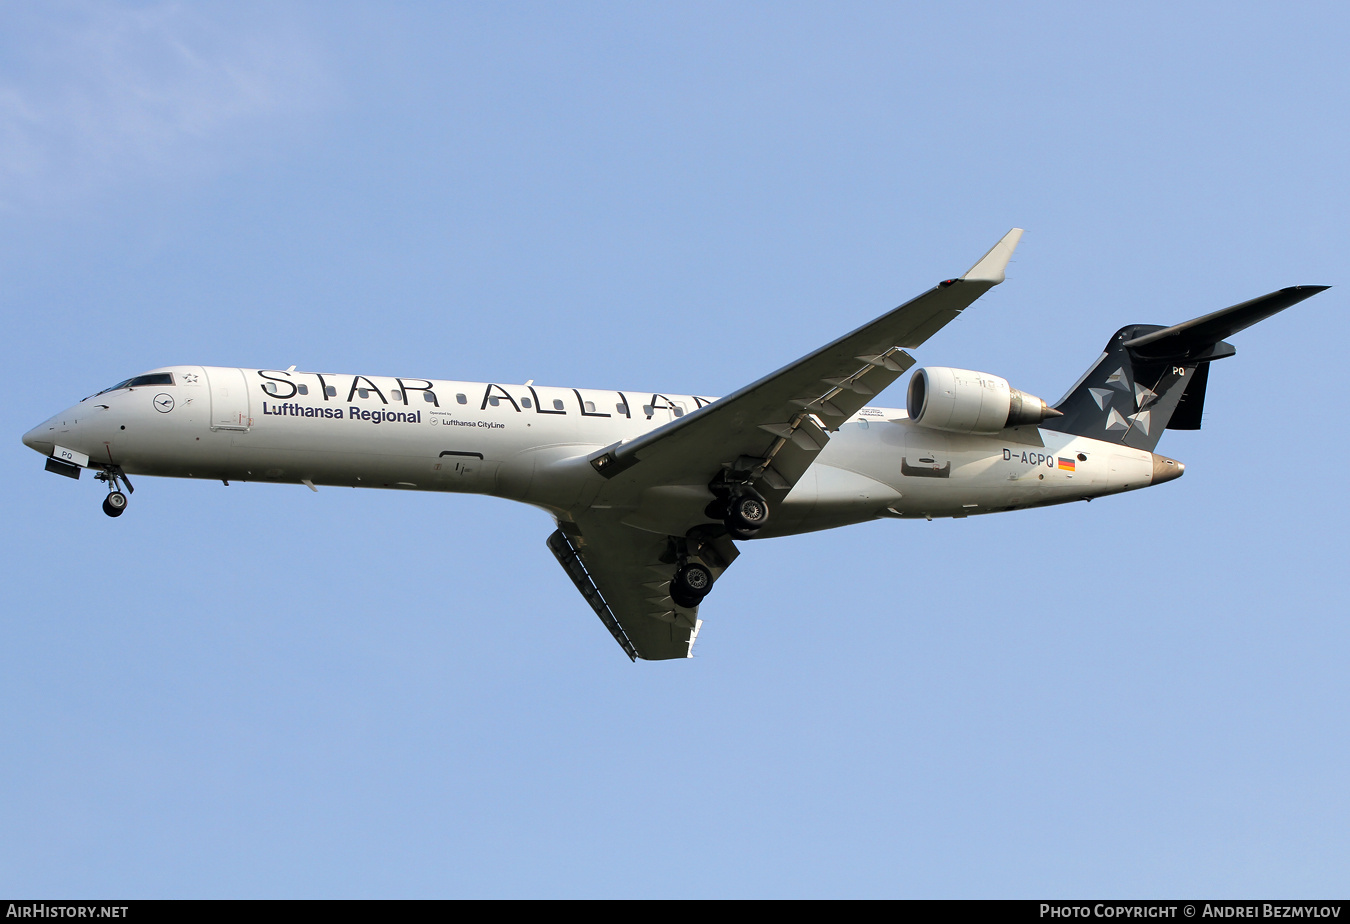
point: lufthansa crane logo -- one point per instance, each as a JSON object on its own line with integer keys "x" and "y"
{"x": 164, "y": 403}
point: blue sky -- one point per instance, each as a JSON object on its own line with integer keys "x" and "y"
{"x": 260, "y": 691}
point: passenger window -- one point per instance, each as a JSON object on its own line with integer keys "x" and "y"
{"x": 589, "y": 406}
{"x": 525, "y": 402}
{"x": 557, "y": 404}
{"x": 461, "y": 399}
{"x": 363, "y": 392}
{"x": 494, "y": 401}
{"x": 621, "y": 408}
{"x": 395, "y": 395}
{"x": 304, "y": 389}
{"x": 429, "y": 398}
{"x": 679, "y": 411}
{"x": 271, "y": 388}
{"x": 647, "y": 409}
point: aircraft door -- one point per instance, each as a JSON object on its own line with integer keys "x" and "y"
{"x": 455, "y": 465}
{"x": 927, "y": 454}
{"x": 461, "y": 470}
{"x": 229, "y": 399}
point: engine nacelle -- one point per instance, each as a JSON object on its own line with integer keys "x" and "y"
{"x": 962, "y": 401}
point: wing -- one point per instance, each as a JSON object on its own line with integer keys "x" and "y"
{"x": 770, "y": 431}
{"x": 652, "y": 512}
{"x": 624, "y": 573}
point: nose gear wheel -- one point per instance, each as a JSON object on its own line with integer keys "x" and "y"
{"x": 115, "y": 504}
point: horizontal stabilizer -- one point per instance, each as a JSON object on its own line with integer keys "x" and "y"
{"x": 1191, "y": 338}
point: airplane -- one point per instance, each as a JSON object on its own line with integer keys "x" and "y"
{"x": 652, "y": 492}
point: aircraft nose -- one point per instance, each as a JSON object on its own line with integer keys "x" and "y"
{"x": 39, "y": 439}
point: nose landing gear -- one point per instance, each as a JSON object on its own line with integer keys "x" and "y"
{"x": 115, "y": 504}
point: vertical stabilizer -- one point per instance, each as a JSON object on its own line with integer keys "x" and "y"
{"x": 1124, "y": 400}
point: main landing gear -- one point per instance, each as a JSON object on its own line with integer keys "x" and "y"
{"x": 115, "y": 504}
{"x": 741, "y": 508}
{"x": 690, "y": 585}
{"x": 743, "y": 511}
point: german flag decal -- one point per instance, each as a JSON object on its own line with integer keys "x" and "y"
{"x": 1065, "y": 465}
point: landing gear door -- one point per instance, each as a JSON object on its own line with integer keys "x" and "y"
{"x": 229, "y": 399}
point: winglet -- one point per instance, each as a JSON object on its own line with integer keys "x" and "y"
{"x": 991, "y": 266}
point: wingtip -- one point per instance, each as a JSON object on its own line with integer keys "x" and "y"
{"x": 1299, "y": 293}
{"x": 990, "y": 268}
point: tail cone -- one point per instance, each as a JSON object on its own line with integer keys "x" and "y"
{"x": 1165, "y": 469}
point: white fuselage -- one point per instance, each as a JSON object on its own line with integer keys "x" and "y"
{"x": 530, "y": 443}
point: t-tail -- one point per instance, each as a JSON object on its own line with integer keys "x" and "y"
{"x": 1153, "y": 378}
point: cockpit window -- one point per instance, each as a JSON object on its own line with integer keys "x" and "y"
{"x": 154, "y": 378}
